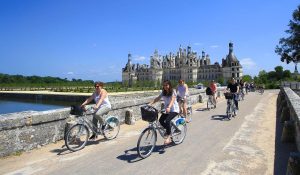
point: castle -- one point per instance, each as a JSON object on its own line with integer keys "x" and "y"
{"x": 184, "y": 65}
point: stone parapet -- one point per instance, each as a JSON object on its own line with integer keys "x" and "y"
{"x": 288, "y": 106}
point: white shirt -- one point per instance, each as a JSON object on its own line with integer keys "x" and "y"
{"x": 105, "y": 101}
{"x": 167, "y": 100}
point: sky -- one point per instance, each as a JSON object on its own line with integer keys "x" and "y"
{"x": 90, "y": 39}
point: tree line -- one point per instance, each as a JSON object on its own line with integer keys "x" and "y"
{"x": 272, "y": 79}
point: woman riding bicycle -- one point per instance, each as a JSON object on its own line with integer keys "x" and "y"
{"x": 171, "y": 107}
{"x": 182, "y": 93}
{"x": 102, "y": 106}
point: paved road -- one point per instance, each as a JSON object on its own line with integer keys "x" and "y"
{"x": 214, "y": 145}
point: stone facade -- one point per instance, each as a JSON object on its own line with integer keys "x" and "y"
{"x": 184, "y": 65}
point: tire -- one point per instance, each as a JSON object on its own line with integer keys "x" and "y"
{"x": 112, "y": 128}
{"x": 207, "y": 105}
{"x": 189, "y": 110}
{"x": 77, "y": 137}
{"x": 146, "y": 142}
{"x": 178, "y": 136}
{"x": 228, "y": 113}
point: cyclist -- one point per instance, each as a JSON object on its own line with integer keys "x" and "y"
{"x": 213, "y": 88}
{"x": 182, "y": 93}
{"x": 241, "y": 88}
{"x": 233, "y": 87}
{"x": 171, "y": 106}
{"x": 102, "y": 106}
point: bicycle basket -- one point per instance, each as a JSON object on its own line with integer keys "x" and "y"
{"x": 149, "y": 113}
{"x": 228, "y": 95}
{"x": 76, "y": 110}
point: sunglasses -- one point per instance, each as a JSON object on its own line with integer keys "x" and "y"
{"x": 97, "y": 86}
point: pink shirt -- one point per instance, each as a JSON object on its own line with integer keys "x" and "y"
{"x": 213, "y": 87}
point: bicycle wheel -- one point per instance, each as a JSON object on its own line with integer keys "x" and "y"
{"x": 178, "y": 136}
{"x": 228, "y": 112}
{"x": 146, "y": 142}
{"x": 189, "y": 113}
{"x": 77, "y": 137}
{"x": 207, "y": 105}
{"x": 112, "y": 128}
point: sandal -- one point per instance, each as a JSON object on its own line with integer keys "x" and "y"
{"x": 167, "y": 141}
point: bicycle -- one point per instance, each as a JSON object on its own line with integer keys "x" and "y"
{"x": 241, "y": 94}
{"x": 77, "y": 135}
{"x": 210, "y": 102}
{"x": 147, "y": 140}
{"x": 261, "y": 90}
{"x": 231, "y": 108}
{"x": 189, "y": 109}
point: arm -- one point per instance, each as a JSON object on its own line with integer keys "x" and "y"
{"x": 155, "y": 100}
{"x": 171, "y": 104}
{"x": 187, "y": 90}
{"x": 87, "y": 101}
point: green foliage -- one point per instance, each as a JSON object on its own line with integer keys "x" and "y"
{"x": 247, "y": 78}
{"x": 272, "y": 79}
{"x": 289, "y": 48}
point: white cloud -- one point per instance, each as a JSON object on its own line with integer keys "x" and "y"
{"x": 139, "y": 58}
{"x": 70, "y": 73}
{"x": 112, "y": 66}
{"x": 248, "y": 63}
{"x": 214, "y": 46}
{"x": 198, "y": 44}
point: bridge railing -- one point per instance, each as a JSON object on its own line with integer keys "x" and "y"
{"x": 288, "y": 109}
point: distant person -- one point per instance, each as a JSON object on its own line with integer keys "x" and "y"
{"x": 213, "y": 88}
{"x": 233, "y": 87}
{"x": 100, "y": 96}
{"x": 171, "y": 106}
{"x": 182, "y": 94}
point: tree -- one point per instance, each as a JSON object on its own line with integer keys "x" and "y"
{"x": 289, "y": 48}
{"x": 247, "y": 78}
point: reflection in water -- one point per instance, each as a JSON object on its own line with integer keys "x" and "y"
{"x": 9, "y": 105}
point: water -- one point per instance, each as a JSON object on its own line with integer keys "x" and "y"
{"x": 13, "y": 105}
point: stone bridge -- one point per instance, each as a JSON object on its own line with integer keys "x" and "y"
{"x": 247, "y": 146}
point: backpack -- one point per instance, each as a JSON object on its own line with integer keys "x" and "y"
{"x": 208, "y": 91}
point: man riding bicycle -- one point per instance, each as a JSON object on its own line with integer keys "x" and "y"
{"x": 233, "y": 87}
{"x": 213, "y": 88}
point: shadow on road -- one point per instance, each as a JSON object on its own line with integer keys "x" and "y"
{"x": 282, "y": 150}
{"x": 64, "y": 150}
{"x": 131, "y": 155}
{"x": 219, "y": 117}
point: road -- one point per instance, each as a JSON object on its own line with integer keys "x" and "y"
{"x": 214, "y": 145}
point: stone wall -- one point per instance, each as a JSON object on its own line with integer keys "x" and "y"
{"x": 288, "y": 109}
{"x": 24, "y": 131}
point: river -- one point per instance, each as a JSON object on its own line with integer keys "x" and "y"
{"x": 17, "y": 105}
